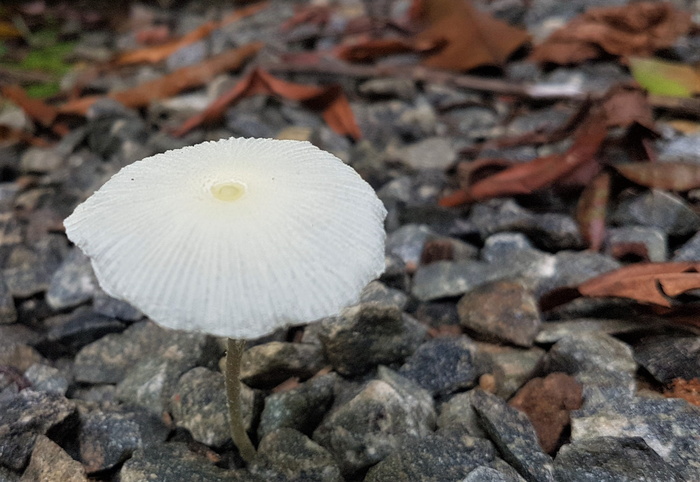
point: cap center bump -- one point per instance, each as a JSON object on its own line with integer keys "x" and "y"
{"x": 228, "y": 191}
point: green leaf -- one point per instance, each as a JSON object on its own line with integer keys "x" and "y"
{"x": 659, "y": 77}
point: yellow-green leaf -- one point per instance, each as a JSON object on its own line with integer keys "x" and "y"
{"x": 665, "y": 78}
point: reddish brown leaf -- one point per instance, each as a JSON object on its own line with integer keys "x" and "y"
{"x": 171, "y": 84}
{"x": 674, "y": 176}
{"x": 38, "y": 110}
{"x": 634, "y": 29}
{"x": 644, "y": 282}
{"x": 625, "y": 106}
{"x": 472, "y": 38}
{"x": 375, "y": 48}
{"x": 161, "y": 52}
{"x": 330, "y": 100}
{"x": 526, "y": 177}
{"x": 622, "y": 250}
{"x": 592, "y": 209}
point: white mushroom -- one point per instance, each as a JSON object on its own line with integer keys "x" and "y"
{"x": 234, "y": 238}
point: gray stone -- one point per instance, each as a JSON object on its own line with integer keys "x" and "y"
{"x": 690, "y": 251}
{"x": 73, "y": 283}
{"x": 378, "y": 292}
{"x": 685, "y": 148}
{"x": 286, "y": 454}
{"x": 443, "y": 279}
{"x": 7, "y": 475}
{"x": 407, "y": 242}
{"x": 41, "y": 160}
{"x": 269, "y": 364}
{"x": 503, "y": 310}
{"x": 430, "y": 153}
{"x": 174, "y": 462}
{"x": 189, "y": 54}
{"x": 659, "y": 209}
{"x": 571, "y": 268}
{"x": 653, "y": 240}
{"x": 28, "y": 271}
{"x": 550, "y": 230}
{"x": 668, "y": 426}
{"x": 514, "y": 436}
{"x": 369, "y": 334}
{"x": 109, "y": 359}
{"x": 8, "y": 312}
{"x": 300, "y": 408}
{"x": 80, "y": 328}
{"x": 510, "y": 366}
{"x": 471, "y": 123}
{"x": 50, "y": 462}
{"x": 612, "y": 459}
{"x": 593, "y": 358}
{"x": 487, "y": 474}
{"x": 23, "y": 417}
{"x": 376, "y": 422}
{"x": 669, "y": 356}
{"x": 442, "y": 365}
{"x": 105, "y": 305}
{"x": 19, "y": 356}
{"x": 400, "y": 88}
{"x": 553, "y": 331}
{"x": 199, "y": 404}
{"x": 110, "y": 435}
{"x": 459, "y": 411}
{"x": 445, "y": 455}
{"x": 45, "y": 378}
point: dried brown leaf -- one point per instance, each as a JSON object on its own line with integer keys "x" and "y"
{"x": 673, "y": 176}
{"x": 592, "y": 209}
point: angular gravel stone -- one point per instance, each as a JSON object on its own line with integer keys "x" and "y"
{"x": 445, "y": 455}
{"x": 668, "y": 426}
{"x": 459, "y": 411}
{"x": 23, "y": 417}
{"x": 81, "y": 328}
{"x": 286, "y": 454}
{"x": 442, "y": 365}
{"x": 510, "y": 366}
{"x": 514, "y": 436}
{"x": 444, "y": 279}
{"x": 690, "y": 251}
{"x": 659, "y": 209}
{"x": 407, "y": 242}
{"x": 429, "y": 153}
{"x": 269, "y": 364}
{"x": 612, "y": 459}
{"x": 652, "y": 240}
{"x": 73, "y": 282}
{"x": 667, "y": 357}
{"x": 50, "y": 462}
{"x": 45, "y": 378}
{"x": 553, "y": 331}
{"x": 376, "y": 422}
{"x": 300, "y": 408}
{"x": 488, "y": 474}
{"x": 503, "y": 310}
{"x": 378, "y": 292}
{"x": 369, "y": 334}
{"x": 109, "y": 436}
{"x": 109, "y": 359}
{"x": 8, "y": 312}
{"x": 199, "y": 404}
{"x": 105, "y": 305}
{"x": 594, "y": 358}
{"x": 173, "y": 462}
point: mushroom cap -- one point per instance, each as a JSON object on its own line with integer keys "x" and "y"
{"x": 234, "y": 238}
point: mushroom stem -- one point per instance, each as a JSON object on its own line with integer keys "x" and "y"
{"x": 234, "y": 353}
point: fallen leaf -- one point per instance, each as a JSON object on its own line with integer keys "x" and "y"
{"x": 36, "y": 109}
{"x": 626, "y": 249}
{"x": 330, "y": 100}
{"x": 171, "y": 84}
{"x": 639, "y": 28}
{"x": 625, "y": 106}
{"x": 526, "y": 177}
{"x": 157, "y": 53}
{"x": 645, "y": 282}
{"x": 665, "y": 78}
{"x": 472, "y": 38}
{"x": 672, "y": 176}
{"x": 375, "y": 48}
{"x": 592, "y": 209}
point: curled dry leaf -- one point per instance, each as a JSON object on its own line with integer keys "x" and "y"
{"x": 673, "y": 176}
{"x": 650, "y": 283}
{"x": 157, "y": 53}
{"x": 625, "y": 106}
{"x": 330, "y": 100}
{"x": 171, "y": 84}
{"x": 592, "y": 209}
{"x": 526, "y": 177}
{"x": 635, "y": 29}
{"x": 472, "y": 38}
